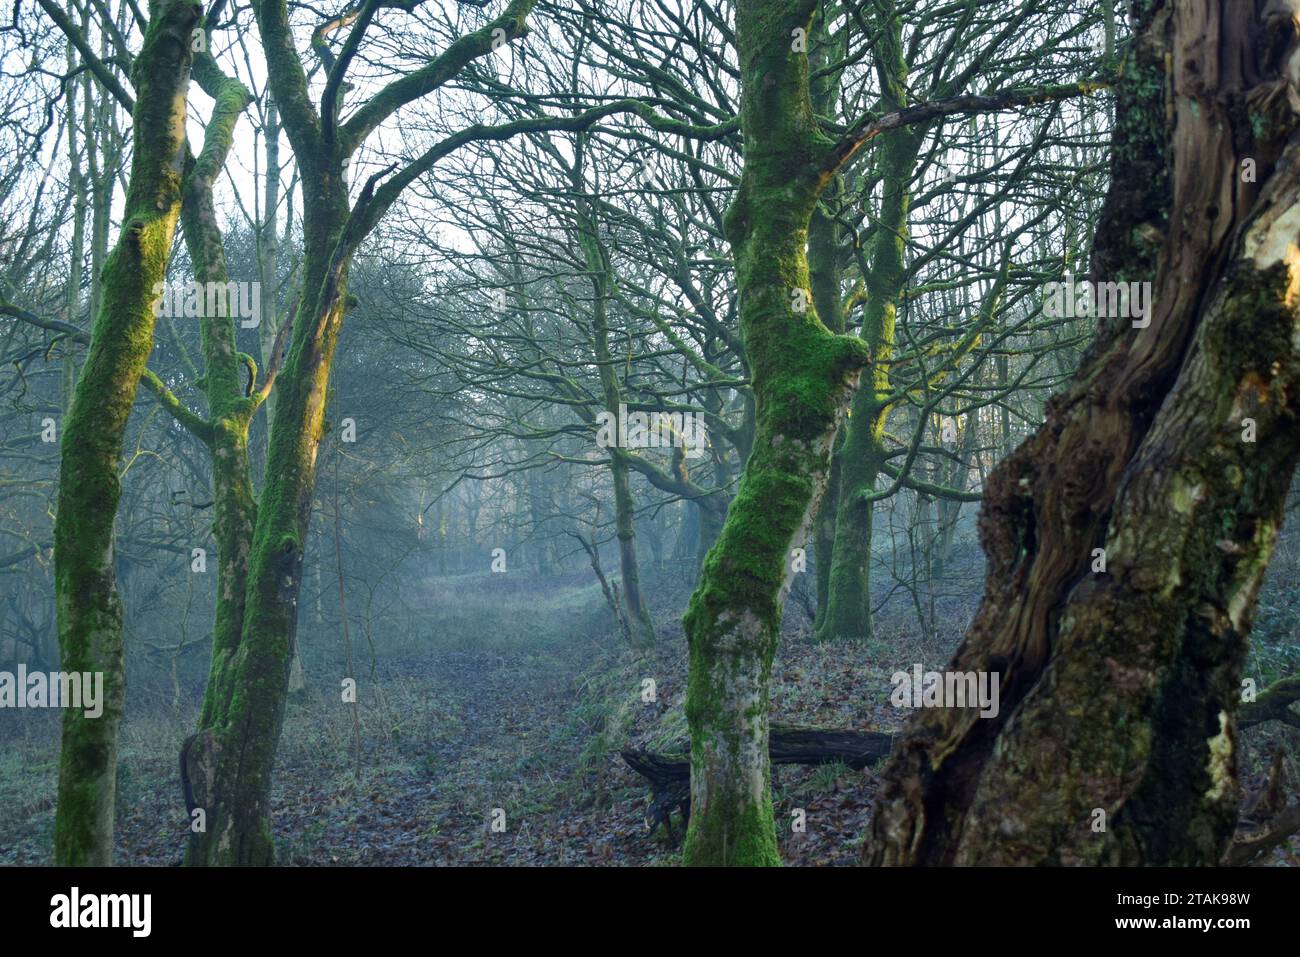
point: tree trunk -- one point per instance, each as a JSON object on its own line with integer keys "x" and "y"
{"x": 848, "y": 588}
{"x": 802, "y": 378}
{"x": 230, "y": 409}
{"x": 243, "y": 715}
{"x": 848, "y": 598}
{"x": 77, "y": 247}
{"x": 824, "y": 534}
{"x": 640, "y": 627}
{"x": 848, "y": 584}
{"x": 825, "y": 269}
{"x": 958, "y": 474}
{"x": 1114, "y": 741}
{"x": 89, "y": 608}
{"x": 268, "y": 264}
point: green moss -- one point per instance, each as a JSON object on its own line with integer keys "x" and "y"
{"x": 88, "y": 609}
{"x": 801, "y": 374}
{"x": 848, "y": 600}
{"x": 742, "y": 836}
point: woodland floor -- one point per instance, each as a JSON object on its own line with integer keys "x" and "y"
{"x": 526, "y": 716}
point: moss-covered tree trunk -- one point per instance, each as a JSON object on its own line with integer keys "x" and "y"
{"x": 848, "y": 587}
{"x": 228, "y": 378}
{"x": 231, "y": 759}
{"x": 243, "y": 712}
{"x": 802, "y": 375}
{"x": 233, "y": 396}
{"x": 1171, "y": 450}
{"x": 862, "y": 454}
{"x": 89, "y": 608}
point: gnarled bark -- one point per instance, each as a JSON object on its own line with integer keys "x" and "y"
{"x": 1114, "y": 742}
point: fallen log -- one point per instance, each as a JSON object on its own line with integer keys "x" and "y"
{"x": 669, "y": 773}
{"x": 786, "y": 745}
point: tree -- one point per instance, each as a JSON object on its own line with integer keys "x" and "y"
{"x": 919, "y": 362}
{"x": 803, "y": 376}
{"x": 233, "y": 751}
{"x": 89, "y": 609}
{"x": 1168, "y": 457}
